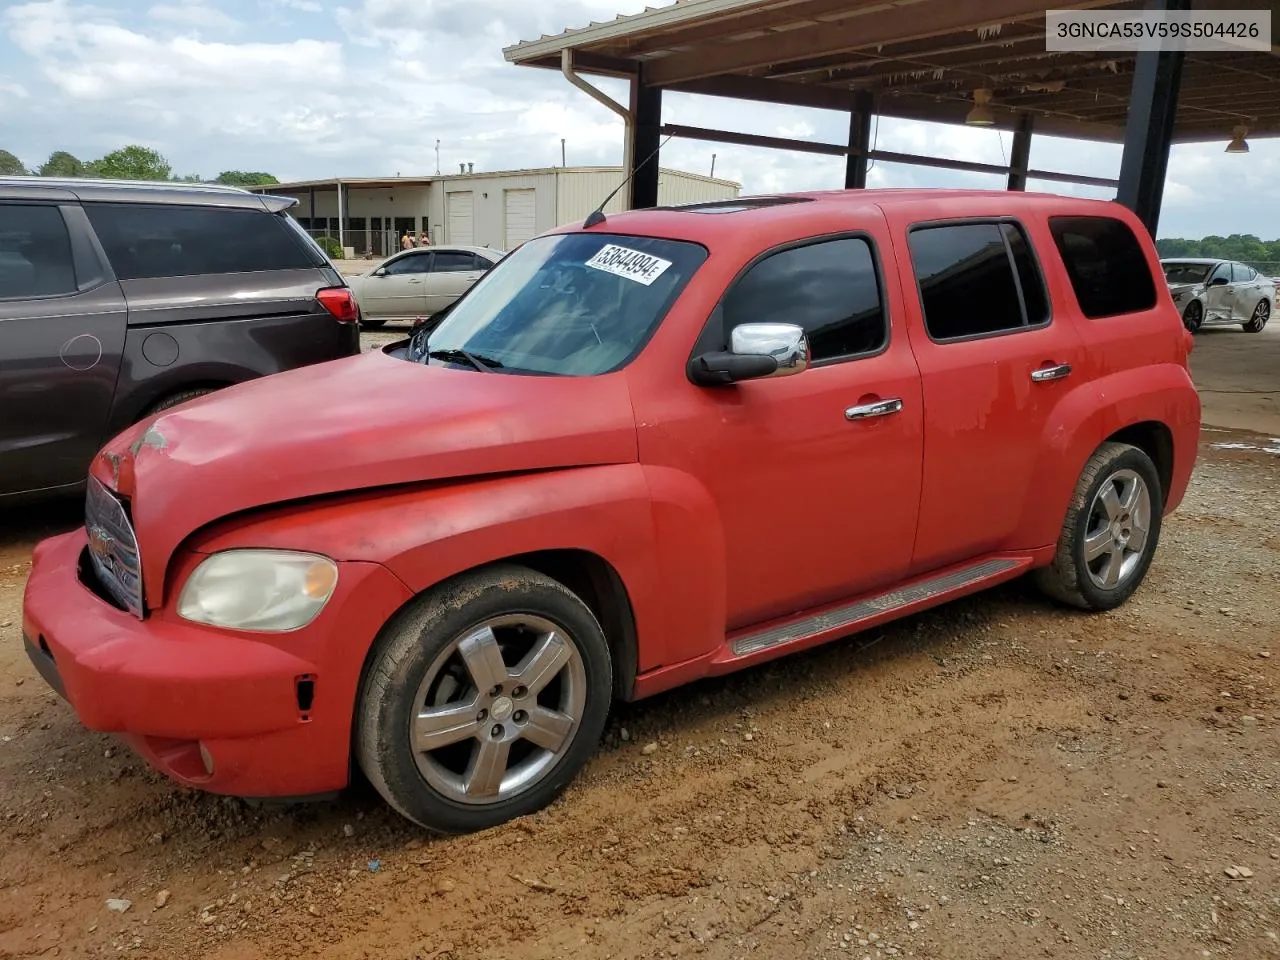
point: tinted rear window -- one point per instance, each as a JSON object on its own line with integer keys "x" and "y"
{"x": 35, "y": 252}
{"x": 145, "y": 241}
{"x": 976, "y": 279}
{"x": 1105, "y": 262}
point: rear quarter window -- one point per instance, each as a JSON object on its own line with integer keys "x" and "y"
{"x": 1106, "y": 265}
{"x": 152, "y": 240}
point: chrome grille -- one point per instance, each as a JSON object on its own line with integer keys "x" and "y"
{"x": 113, "y": 548}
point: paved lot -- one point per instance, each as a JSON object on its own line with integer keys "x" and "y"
{"x": 997, "y": 779}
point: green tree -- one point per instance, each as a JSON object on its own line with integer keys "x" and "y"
{"x": 11, "y": 166}
{"x": 133, "y": 163}
{"x": 62, "y": 164}
{"x": 242, "y": 178}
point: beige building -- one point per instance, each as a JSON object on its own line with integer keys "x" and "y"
{"x": 500, "y": 209}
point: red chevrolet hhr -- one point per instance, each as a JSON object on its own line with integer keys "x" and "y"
{"x": 676, "y": 443}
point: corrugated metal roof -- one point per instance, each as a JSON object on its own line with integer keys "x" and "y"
{"x": 678, "y": 13}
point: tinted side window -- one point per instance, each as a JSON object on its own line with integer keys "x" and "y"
{"x": 976, "y": 279}
{"x": 830, "y": 288}
{"x": 454, "y": 261}
{"x": 148, "y": 240}
{"x": 414, "y": 263}
{"x": 35, "y": 252}
{"x": 1242, "y": 273}
{"x": 1105, "y": 262}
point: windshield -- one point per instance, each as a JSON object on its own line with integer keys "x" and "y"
{"x": 1186, "y": 272}
{"x": 576, "y": 304}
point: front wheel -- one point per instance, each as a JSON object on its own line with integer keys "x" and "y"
{"x": 1110, "y": 533}
{"x": 1261, "y": 314}
{"x": 1193, "y": 316}
{"x": 483, "y": 699}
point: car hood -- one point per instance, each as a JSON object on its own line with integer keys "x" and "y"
{"x": 352, "y": 424}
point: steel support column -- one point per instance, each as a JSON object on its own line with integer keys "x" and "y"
{"x": 646, "y": 107}
{"x": 1020, "y": 155}
{"x": 1153, "y": 107}
{"x": 855, "y": 167}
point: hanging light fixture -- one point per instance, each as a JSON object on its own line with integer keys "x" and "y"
{"x": 980, "y": 115}
{"x": 1238, "y": 143}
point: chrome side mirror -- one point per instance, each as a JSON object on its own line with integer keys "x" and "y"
{"x": 756, "y": 350}
{"x": 785, "y": 342}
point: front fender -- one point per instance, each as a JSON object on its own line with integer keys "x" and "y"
{"x": 1086, "y": 417}
{"x": 427, "y": 534}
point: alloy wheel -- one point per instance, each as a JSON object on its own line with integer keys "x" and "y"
{"x": 498, "y": 709}
{"x": 1118, "y": 529}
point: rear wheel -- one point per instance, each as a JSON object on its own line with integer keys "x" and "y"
{"x": 1110, "y": 533}
{"x": 483, "y": 699}
{"x": 1193, "y": 316}
{"x": 1261, "y": 314}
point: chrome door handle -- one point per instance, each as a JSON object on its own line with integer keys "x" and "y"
{"x": 1051, "y": 373}
{"x": 881, "y": 408}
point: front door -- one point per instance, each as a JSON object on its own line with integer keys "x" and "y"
{"x": 62, "y": 329}
{"x": 993, "y": 364}
{"x": 816, "y": 495}
{"x": 397, "y": 290}
{"x": 1219, "y": 294}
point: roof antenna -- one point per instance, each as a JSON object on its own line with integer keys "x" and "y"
{"x": 597, "y": 215}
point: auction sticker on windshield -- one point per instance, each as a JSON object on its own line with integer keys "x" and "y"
{"x": 632, "y": 264}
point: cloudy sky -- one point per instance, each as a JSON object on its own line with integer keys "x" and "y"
{"x": 322, "y": 88}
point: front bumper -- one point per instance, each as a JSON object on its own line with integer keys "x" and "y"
{"x": 227, "y": 712}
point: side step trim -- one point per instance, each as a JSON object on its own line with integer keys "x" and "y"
{"x": 854, "y": 613}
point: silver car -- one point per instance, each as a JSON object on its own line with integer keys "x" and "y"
{"x": 1211, "y": 292}
{"x": 419, "y": 282}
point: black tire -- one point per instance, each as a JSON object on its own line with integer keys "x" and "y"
{"x": 1261, "y": 314}
{"x": 1070, "y": 578}
{"x": 410, "y": 646}
{"x": 367, "y": 324}
{"x": 174, "y": 399}
{"x": 1193, "y": 316}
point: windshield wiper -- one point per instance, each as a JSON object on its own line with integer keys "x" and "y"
{"x": 479, "y": 361}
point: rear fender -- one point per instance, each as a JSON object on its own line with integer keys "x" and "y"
{"x": 1087, "y": 417}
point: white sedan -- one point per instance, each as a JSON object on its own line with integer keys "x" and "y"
{"x": 419, "y": 281}
{"x": 1211, "y": 292}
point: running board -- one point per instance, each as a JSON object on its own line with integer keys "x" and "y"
{"x": 874, "y": 607}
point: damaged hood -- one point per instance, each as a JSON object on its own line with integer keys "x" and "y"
{"x": 351, "y": 424}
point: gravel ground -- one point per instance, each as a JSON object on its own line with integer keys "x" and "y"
{"x": 996, "y": 779}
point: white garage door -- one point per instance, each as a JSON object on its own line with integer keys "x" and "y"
{"x": 519, "y": 217}
{"x": 460, "y": 216}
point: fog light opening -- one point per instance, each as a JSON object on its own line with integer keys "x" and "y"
{"x": 207, "y": 759}
{"x": 305, "y": 690}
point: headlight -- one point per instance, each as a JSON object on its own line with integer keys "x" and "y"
{"x": 269, "y": 590}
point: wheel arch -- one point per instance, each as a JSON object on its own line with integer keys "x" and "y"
{"x": 1155, "y": 439}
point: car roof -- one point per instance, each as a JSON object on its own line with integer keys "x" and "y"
{"x": 460, "y": 247}
{"x": 779, "y": 213}
{"x": 139, "y": 191}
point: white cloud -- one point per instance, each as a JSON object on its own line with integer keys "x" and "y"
{"x": 366, "y": 87}
{"x": 193, "y": 15}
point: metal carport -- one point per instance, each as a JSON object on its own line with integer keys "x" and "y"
{"x": 924, "y": 60}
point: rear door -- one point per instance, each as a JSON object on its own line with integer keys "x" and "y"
{"x": 994, "y": 362}
{"x": 62, "y": 332}
{"x": 399, "y": 289}
{"x": 1246, "y": 291}
{"x": 452, "y": 273}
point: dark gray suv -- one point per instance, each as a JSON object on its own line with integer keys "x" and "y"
{"x": 118, "y": 299}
